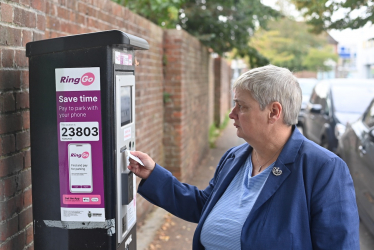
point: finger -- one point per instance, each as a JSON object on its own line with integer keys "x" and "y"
{"x": 139, "y": 154}
{"x": 133, "y": 162}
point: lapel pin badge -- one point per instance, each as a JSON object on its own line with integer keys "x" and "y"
{"x": 276, "y": 171}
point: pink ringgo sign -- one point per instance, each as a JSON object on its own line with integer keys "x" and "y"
{"x": 78, "y": 104}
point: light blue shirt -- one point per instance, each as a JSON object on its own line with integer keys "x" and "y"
{"x": 223, "y": 226}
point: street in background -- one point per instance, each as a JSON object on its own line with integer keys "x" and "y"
{"x": 356, "y": 148}
{"x": 306, "y": 85}
{"x": 332, "y": 104}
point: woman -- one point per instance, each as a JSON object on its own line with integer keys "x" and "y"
{"x": 277, "y": 191}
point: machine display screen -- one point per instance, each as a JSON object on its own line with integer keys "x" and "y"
{"x": 126, "y": 116}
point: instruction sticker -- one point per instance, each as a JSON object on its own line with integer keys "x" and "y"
{"x": 78, "y": 104}
{"x": 122, "y": 58}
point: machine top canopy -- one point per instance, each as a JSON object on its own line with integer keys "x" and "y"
{"x": 84, "y": 41}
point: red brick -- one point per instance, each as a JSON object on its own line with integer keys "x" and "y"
{"x": 15, "y": 243}
{"x": 25, "y": 218}
{"x": 40, "y": 22}
{"x": 8, "y": 229}
{"x": 10, "y": 123}
{"x": 25, "y": 2}
{"x": 25, "y": 179}
{"x": 117, "y": 10}
{"x": 51, "y": 8}
{"x": 38, "y": 4}
{"x": 38, "y": 36}
{"x": 52, "y": 23}
{"x": 22, "y": 100}
{"x": 10, "y": 36}
{"x": 74, "y": 29}
{"x": 7, "y": 146}
{"x": 7, "y": 58}
{"x": 31, "y": 247}
{"x": 26, "y": 119}
{"x": 7, "y": 102}
{"x": 10, "y": 79}
{"x": 62, "y": 13}
{"x": 29, "y": 235}
{"x": 22, "y": 140}
{"x": 11, "y": 164}
{"x": 27, "y": 159}
{"x": 10, "y": 186}
{"x": 27, "y": 198}
{"x": 10, "y": 207}
{"x": 24, "y": 18}
{"x": 20, "y": 59}
{"x": 6, "y": 13}
{"x": 87, "y": 10}
{"x": 65, "y": 26}
{"x": 26, "y": 37}
{"x": 24, "y": 79}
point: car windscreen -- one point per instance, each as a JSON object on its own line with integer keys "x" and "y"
{"x": 352, "y": 99}
{"x": 307, "y": 86}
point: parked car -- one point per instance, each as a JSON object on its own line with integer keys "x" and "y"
{"x": 306, "y": 85}
{"x": 332, "y": 104}
{"x": 356, "y": 148}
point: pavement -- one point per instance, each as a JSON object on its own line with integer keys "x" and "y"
{"x": 162, "y": 230}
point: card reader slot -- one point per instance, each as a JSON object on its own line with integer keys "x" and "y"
{"x": 123, "y": 149}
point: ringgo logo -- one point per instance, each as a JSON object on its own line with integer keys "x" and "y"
{"x": 86, "y": 80}
{"x": 84, "y": 155}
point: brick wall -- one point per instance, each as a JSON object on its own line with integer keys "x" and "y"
{"x": 211, "y": 90}
{"x": 187, "y": 111}
{"x": 222, "y": 89}
{"x": 305, "y": 74}
{"x": 173, "y": 130}
{"x": 20, "y": 22}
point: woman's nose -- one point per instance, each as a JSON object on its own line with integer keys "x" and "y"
{"x": 232, "y": 114}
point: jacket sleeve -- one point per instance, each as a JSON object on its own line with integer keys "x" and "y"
{"x": 334, "y": 214}
{"x": 182, "y": 200}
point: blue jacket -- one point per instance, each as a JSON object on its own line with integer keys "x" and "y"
{"x": 311, "y": 205}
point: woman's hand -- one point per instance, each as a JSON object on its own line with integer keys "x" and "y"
{"x": 139, "y": 170}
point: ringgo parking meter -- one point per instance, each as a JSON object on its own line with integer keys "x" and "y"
{"x": 82, "y": 122}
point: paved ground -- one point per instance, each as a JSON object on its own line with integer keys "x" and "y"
{"x": 161, "y": 230}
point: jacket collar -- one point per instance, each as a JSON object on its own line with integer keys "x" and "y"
{"x": 283, "y": 163}
{"x": 292, "y": 146}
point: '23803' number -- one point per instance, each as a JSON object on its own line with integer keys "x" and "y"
{"x": 78, "y": 131}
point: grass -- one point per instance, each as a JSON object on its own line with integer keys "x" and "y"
{"x": 214, "y": 131}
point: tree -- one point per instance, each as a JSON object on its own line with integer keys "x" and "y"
{"x": 288, "y": 44}
{"x": 318, "y": 59}
{"x": 219, "y": 24}
{"x": 161, "y": 12}
{"x": 328, "y": 14}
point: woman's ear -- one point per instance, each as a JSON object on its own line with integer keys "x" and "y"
{"x": 275, "y": 112}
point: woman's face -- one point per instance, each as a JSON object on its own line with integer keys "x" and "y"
{"x": 249, "y": 120}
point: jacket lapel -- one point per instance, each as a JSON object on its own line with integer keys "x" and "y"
{"x": 272, "y": 184}
{"x": 286, "y": 157}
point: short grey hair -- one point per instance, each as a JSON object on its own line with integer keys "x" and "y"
{"x": 273, "y": 84}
